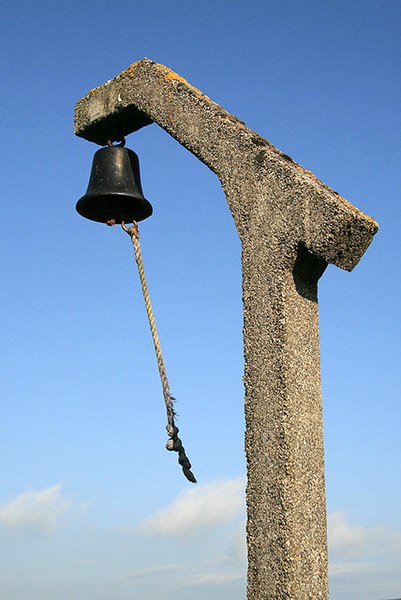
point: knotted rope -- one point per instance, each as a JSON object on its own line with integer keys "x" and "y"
{"x": 173, "y": 443}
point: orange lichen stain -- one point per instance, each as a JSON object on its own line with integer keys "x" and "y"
{"x": 170, "y": 75}
{"x": 94, "y": 90}
{"x": 131, "y": 69}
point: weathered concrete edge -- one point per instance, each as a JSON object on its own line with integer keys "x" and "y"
{"x": 129, "y": 101}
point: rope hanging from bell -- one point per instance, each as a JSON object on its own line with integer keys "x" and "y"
{"x": 114, "y": 195}
{"x": 174, "y": 443}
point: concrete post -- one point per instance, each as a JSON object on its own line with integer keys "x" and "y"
{"x": 290, "y": 225}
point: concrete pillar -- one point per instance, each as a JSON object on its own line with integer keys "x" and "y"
{"x": 290, "y": 225}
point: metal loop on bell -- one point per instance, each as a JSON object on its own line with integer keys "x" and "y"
{"x": 121, "y": 139}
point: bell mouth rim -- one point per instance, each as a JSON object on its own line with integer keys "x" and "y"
{"x": 120, "y": 212}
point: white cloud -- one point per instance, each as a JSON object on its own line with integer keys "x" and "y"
{"x": 160, "y": 570}
{"x": 38, "y": 511}
{"x": 349, "y": 567}
{"x": 212, "y": 578}
{"x": 360, "y": 557}
{"x": 342, "y": 533}
{"x": 203, "y": 507}
{"x": 217, "y": 572}
{"x": 239, "y": 551}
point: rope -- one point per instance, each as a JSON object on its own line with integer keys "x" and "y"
{"x": 173, "y": 443}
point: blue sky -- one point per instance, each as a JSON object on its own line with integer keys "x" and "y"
{"x": 91, "y": 505}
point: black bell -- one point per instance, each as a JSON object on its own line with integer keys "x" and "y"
{"x": 114, "y": 192}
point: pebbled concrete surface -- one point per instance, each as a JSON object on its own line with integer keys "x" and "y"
{"x": 291, "y": 225}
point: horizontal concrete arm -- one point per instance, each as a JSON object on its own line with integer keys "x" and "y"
{"x": 255, "y": 175}
{"x": 147, "y": 92}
